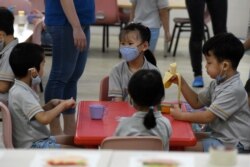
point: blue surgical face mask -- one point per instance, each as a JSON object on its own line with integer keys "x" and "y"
{"x": 129, "y": 53}
{"x": 36, "y": 80}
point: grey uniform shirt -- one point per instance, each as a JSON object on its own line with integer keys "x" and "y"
{"x": 120, "y": 76}
{"x": 23, "y": 106}
{"x": 229, "y": 102}
{"x": 147, "y": 12}
{"x": 133, "y": 126}
{"x": 6, "y": 73}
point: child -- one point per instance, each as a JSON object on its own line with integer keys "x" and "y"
{"x": 152, "y": 14}
{"x": 7, "y": 43}
{"x": 225, "y": 99}
{"x": 146, "y": 91}
{"x": 29, "y": 118}
{"x": 134, "y": 41}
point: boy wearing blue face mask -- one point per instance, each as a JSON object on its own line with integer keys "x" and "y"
{"x": 29, "y": 118}
{"x": 134, "y": 49}
{"x": 225, "y": 99}
{"x": 7, "y": 42}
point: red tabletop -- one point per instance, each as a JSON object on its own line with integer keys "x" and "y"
{"x": 91, "y": 132}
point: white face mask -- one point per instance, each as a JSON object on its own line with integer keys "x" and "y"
{"x": 36, "y": 80}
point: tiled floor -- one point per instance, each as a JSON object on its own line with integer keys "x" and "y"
{"x": 99, "y": 64}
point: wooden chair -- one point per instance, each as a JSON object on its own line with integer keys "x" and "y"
{"x": 104, "y": 88}
{"x": 132, "y": 143}
{"x": 7, "y": 126}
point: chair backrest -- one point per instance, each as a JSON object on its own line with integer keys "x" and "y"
{"x": 17, "y": 5}
{"x": 106, "y": 13}
{"x": 104, "y": 88}
{"x": 132, "y": 143}
{"x": 7, "y": 126}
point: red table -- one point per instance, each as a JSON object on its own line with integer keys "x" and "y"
{"x": 91, "y": 132}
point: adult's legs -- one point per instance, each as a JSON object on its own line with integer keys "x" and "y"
{"x": 196, "y": 14}
{"x": 154, "y": 38}
{"x": 67, "y": 67}
{"x": 218, "y": 13}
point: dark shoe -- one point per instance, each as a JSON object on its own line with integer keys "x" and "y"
{"x": 198, "y": 82}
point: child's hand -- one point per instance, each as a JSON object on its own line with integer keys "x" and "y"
{"x": 174, "y": 79}
{"x": 176, "y": 112}
{"x": 70, "y": 103}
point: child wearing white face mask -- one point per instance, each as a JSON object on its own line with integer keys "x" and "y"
{"x": 7, "y": 42}
{"x": 29, "y": 118}
{"x": 134, "y": 49}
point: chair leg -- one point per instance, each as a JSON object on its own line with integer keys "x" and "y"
{"x": 107, "y": 36}
{"x": 177, "y": 40}
{"x": 103, "y": 39}
{"x": 172, "y": 39}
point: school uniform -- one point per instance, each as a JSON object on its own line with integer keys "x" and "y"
{"x": 229, "y": 102}
{"x": 120, "y": 76}
{"x": 133, "y": 126}
{"x": 6, "y": 73}
{"x": 24, "y": 105}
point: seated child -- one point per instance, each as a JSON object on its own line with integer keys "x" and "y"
{"x": 7, "y": 43}
{"x": 225, "y": 99}
{"x": 29, "y": 118}
{"x": 146, "y": 92}
{"x": 134, "y": 48}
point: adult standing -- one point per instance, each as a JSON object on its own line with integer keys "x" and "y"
{"x": 218, "y": 14}
{"x": 68, "y": 22}
{"x": 153, "y": 14}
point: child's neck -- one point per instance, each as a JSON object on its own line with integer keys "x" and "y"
{"x": 26, "y": 80}
{"x": 136, "y": 64}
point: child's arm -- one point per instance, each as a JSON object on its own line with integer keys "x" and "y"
{"x": 5, "y": 86}
{"x": 188, "y": 93}
{"x": 51, "y": 104}
{"x": 202, "y": 117}
{"x": 247, "y": 44}
{"x": 47, "y": 116}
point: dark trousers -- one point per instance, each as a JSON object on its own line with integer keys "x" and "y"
{"x": 218, "y": 13}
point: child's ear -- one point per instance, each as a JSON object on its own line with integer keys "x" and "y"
{"x": 33, "y": 72}
{"x": 145, "y": 45}
{"x": 225, "y": 65}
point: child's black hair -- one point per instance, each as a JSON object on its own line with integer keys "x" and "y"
{"x": 6, "y": 21}
{"x": 25, "y": 56}
{"x": 146, "y": 90}
{"x": 225, "y": 46}
{"x": 145, "y": 35}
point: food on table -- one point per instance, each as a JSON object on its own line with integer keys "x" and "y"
{"x": 67, "y": 161}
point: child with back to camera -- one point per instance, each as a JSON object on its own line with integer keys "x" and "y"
{"x": 225, "y": 99}
{"x": 146, "y": 92}
{"x": 29, "y": 118}
{"x": 134, "y": 48}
